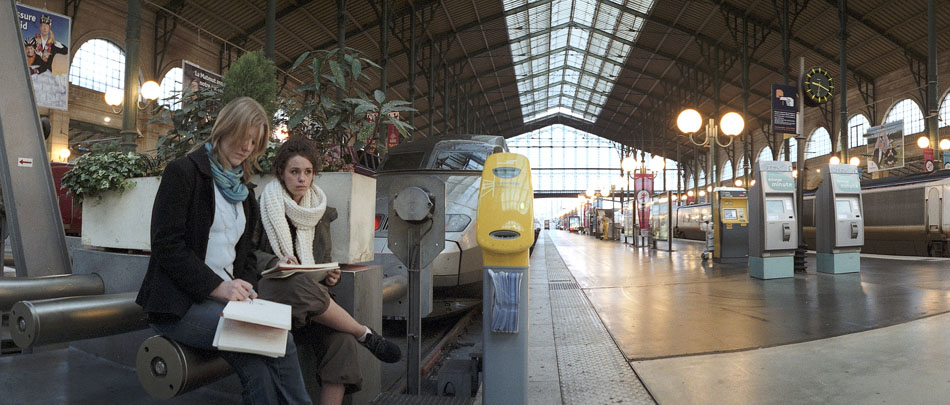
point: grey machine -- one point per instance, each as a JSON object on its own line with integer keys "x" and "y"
{"x": 839, "y": 222}
{"x": 773, "y": 230}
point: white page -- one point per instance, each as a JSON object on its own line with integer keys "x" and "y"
{"x": 259, "y": 311}
{"x": 244, "y": 337}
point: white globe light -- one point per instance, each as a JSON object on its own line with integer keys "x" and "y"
{"x": 854, "y": 161}
{"x": 590, "y": 193}
{"x": 751, "y": 182}
{"x": 795, "y": 173}
{"x": 689, "y": 193}
{"x": 64, "y": 154}
{"x": 834, "y": 160}
{"x": 945, "y": 144}
{"x": 114, "y": 97}
{"x": 702, "y": 193}
{"x": 675, "y": 197}
{"x": 628, "y": 164}
{"x": 738, "y": 182}
{"x": 150, "y": 90}
{"x": 708, "y": 189}
{"x": 923, "y": 142}
{"x": 732, "y": 124}
{"x": 689, "y": 121}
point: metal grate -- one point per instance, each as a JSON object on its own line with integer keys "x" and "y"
{"x": 563, "y": 285}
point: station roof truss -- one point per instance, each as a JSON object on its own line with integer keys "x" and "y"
{"x": 620, "y": 69}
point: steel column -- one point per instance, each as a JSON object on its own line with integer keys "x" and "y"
{"x": 130, "y": 132}
{"x": 430, "y": 93}
{"x": 384, "y": 65}
{"x": 932, "y": 105}
{"x": 843, "y": 66}
{"x": 270, "y": 25}
{"x": 800, "y": 183}
{"x": 412, "y": 66}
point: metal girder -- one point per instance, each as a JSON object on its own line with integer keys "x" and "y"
{"x": 882, "y": 33}
{"x": 163, "y": 33}
{"x": 731, "y": 9}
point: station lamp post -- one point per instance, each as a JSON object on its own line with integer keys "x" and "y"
{"x": 689, "y": 121}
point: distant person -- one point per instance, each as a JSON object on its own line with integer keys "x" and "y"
{"x": 295, "y": 220}
{"x": 202, "y": 225}
{"x": 786, "y": 101}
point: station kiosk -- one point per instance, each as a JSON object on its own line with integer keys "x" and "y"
{"x": 773, "y": 225}
{"x": 731, "y": 225}
{"x": 839, "y": 220}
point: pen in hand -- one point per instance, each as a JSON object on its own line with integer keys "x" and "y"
{"x": 251, "y": 292}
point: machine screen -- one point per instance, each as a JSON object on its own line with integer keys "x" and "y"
{"x": 774, "y": 207}
{"x": 843, "y": 206}
{"x": 729, "y": 214}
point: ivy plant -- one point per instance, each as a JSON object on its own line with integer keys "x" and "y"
{"x": 96, "y": 173}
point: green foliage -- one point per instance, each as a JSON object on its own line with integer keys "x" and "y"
{"x": 95, "y": 173}
{"x": 254, "y": 76}
{"x": 191, "y": 124}
{"x": 335, "y": 110}
{"x": 266, "y": 161}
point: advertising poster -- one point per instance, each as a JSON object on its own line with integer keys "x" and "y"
{"x": 784, "y": 109}
{"x": 886, "y": 146}
{"x": 46, "y": 43}
{"x": 194, "y": 78}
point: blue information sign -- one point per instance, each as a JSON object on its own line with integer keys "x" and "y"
{"x": 784, "y": 109}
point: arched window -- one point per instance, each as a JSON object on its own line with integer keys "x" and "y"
{"x": 765, "y": 155}
{"x": 793, "y": 151}
{"x": 726, "y": 171}
{"x": 98, "y": 65}
{"x": 819, "y": 143}
{"x": 858, "y": 126}
{"x": 740, "y": 168}
{"x": 171, "y": 89}
{"x": 945, "y": 111}
{"x": 908, "y": 111}
{"x": 702, "y": 177}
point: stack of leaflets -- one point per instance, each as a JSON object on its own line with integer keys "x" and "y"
{"x": 253, "y": 326}
{"x": 320, "y": 270}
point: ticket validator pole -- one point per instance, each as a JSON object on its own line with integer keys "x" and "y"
{"x": 505, "y": 234}
{"x": 773, "y": 225}
{"x": 416, "y": 237}
{"x": 839, "y": 220}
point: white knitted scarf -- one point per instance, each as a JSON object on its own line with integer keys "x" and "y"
{"x": 277, "y": 206}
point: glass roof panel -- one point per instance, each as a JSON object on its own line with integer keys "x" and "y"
{"x": 584, "y": 50}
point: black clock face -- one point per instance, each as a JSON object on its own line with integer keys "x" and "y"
{"x": 817, "y": 86}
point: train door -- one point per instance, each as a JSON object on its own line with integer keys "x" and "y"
{"x": 933, "y": 210}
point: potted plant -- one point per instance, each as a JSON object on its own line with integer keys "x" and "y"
{"x": 334, "y": 109}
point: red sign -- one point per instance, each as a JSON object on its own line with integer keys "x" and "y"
{"x": 643, "y": 182}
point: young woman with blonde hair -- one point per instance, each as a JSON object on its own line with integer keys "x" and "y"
{"x": 202, "y": 253}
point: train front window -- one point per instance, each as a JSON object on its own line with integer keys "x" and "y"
{"x": 403, "y": 161}
{"x": 461, "y": 157}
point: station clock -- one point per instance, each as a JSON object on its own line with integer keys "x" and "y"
{"x": 817, "y": 86}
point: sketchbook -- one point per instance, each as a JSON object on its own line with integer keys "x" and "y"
{"x": 254, "y": 326}
{"x": 320, "y": 270}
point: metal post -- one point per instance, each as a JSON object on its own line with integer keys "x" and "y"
{"x": 414, "y": 331}
{"x": 843, "y": 66}
{"x": 932, "y": 106}
{"x": 130, "y": 132}
{"x": 270, "y": 25}
{"x": 384, "y": 65}
{"x": 341, "y": 35}
{"x": 800, "y": 183}
{"x": 445, "y": 98}
{"x": 669, "y": 221}
{"x": 430, "y": 93}
{"x": 412, "y": 65}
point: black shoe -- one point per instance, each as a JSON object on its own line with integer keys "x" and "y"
{"x": 381, "y": 348}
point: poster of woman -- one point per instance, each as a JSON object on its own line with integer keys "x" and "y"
{"x": 886, "y": 144}
{"x": 46, "y": 45}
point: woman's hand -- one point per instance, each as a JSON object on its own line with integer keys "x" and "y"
{"x": 234, "y": 290}
{"x": 333, "y": 277}
{"x": 289, "y": 259}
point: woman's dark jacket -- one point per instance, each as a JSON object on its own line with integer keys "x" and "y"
{"x": 181, "y": 223}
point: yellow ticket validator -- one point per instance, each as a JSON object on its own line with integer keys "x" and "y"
{"x": 505, "y": 210}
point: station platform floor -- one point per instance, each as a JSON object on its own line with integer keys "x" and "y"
{"x": 613, "y": 323}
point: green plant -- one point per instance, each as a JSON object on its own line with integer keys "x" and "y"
{"x": 266, "y": 161}
{"x": 254, "y": 76}
{"x": 335, "y": 107}
{"x": 191, "y": 124}
{"x": 95, "y": 173}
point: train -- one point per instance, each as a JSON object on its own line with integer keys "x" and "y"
{"x": 906, "y": 216}
{"x": 458, "y": 162}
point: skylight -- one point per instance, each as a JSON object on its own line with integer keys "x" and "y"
{"x": 568, "y": 53}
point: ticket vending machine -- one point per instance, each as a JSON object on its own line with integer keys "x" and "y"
{"x": 731, "y": 225}
{"x": 839, "y": 220}
{"x": 773, "y": 224}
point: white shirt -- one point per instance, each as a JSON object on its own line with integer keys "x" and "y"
{"x": 226, "y": 230}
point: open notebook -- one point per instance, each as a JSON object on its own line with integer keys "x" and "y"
{"x": 253, "y": 326}
{"x": 285, "y": 270}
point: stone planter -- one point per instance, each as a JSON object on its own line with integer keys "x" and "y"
{"x": 120, "y": 220}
